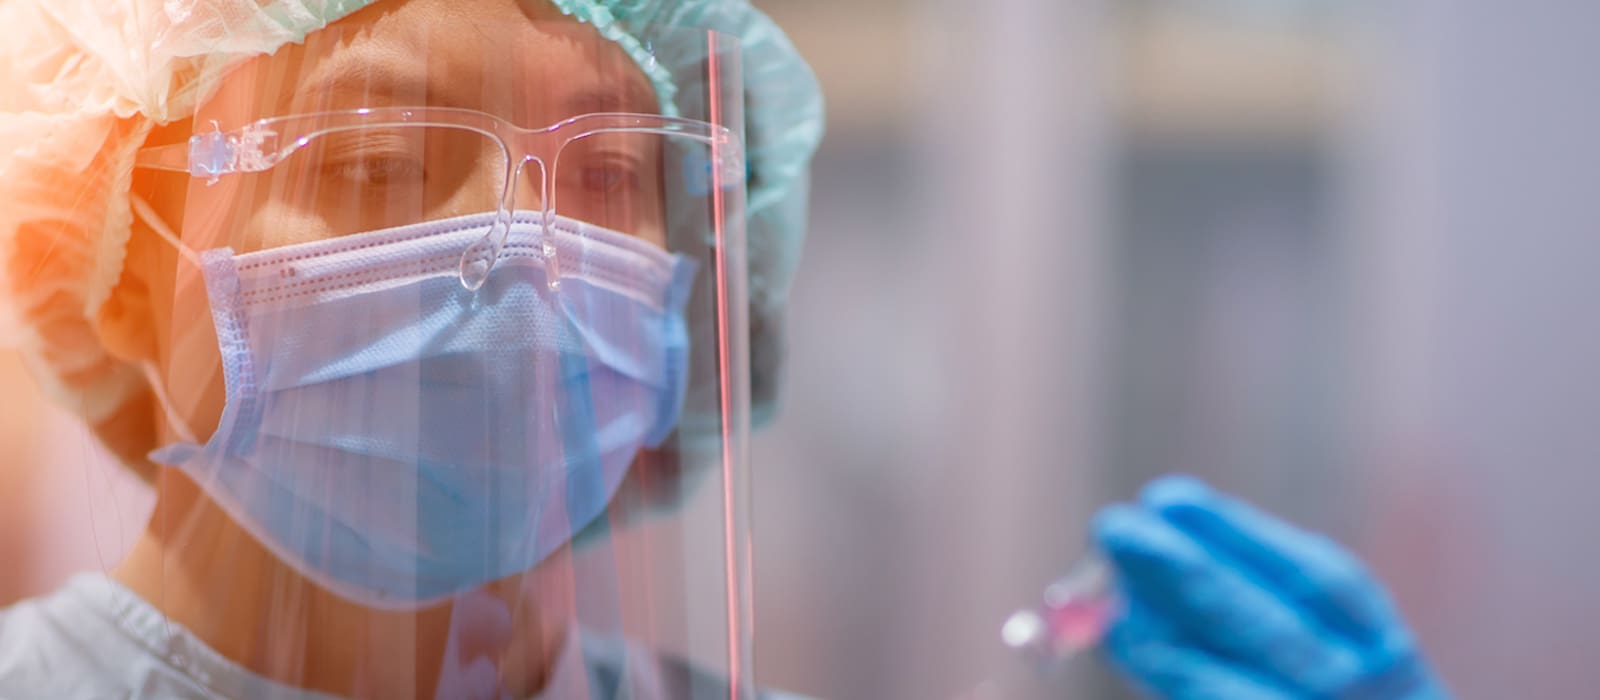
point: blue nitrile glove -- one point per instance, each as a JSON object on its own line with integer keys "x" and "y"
{"x": 1224, "y": 602}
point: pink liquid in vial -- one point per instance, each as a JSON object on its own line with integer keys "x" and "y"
{"x": 1078, "y": 623}
{"x": 1076, "y": 612}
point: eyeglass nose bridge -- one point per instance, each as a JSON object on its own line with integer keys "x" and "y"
{"x": 726, "y": 166}
{"x": 479, "y": 259}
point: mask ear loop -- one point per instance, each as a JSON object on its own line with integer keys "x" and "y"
{"x": 175, "y": 421}
{"x": 148, "y": 215}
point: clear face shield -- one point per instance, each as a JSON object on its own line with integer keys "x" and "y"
{"x": 456, "y": 361}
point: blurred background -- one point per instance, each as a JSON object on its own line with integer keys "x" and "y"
{"x": 1338, "y": 257}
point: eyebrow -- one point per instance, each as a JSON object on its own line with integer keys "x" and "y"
{"x": 360, "y": 74}
{"x": 353, "y": 74}
{"x": 625, "y": 96}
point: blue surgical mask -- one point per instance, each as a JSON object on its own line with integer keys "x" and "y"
{"x": 399, "y": 439}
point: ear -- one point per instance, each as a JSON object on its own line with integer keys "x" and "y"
{"x": 129, "y": 320}
{"x": 128, "y": 328}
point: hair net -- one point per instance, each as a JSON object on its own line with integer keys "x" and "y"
{"x": 83, "y": 83}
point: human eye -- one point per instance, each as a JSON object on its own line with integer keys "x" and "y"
{"x": 372, "y": 159}
{"x": 376, "y": 170}
{"x": 610, "y": 174}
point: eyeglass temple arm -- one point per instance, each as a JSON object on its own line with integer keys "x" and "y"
{"x": 213, "y": 154}
{"x": 171, "y": 157}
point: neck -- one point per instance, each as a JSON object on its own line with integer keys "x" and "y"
{"x": 210, "y": 576}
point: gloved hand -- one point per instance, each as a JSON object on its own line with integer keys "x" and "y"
{"x": 1224, "y": 602}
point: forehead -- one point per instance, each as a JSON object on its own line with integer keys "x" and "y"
{"x": 519, "y": 59}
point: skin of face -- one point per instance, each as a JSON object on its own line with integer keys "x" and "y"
{"x": 520, "y": 61}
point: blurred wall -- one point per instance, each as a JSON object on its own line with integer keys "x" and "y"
{"x": 65, "y": 505}
{"x": 1333, "y": 256}
{"x": 934, "y": 463}
{"x": 1481, "y": 294}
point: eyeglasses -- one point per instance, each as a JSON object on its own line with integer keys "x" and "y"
{"x": 365, "y": 169}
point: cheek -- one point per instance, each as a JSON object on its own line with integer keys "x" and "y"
{"x": 249, "y": 213}
{"x": 275, "y": 225}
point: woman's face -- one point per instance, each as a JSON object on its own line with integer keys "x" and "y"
{"x": 524, "y": 62}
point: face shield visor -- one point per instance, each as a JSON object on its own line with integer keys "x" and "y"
{"x": 455, "y": 360}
